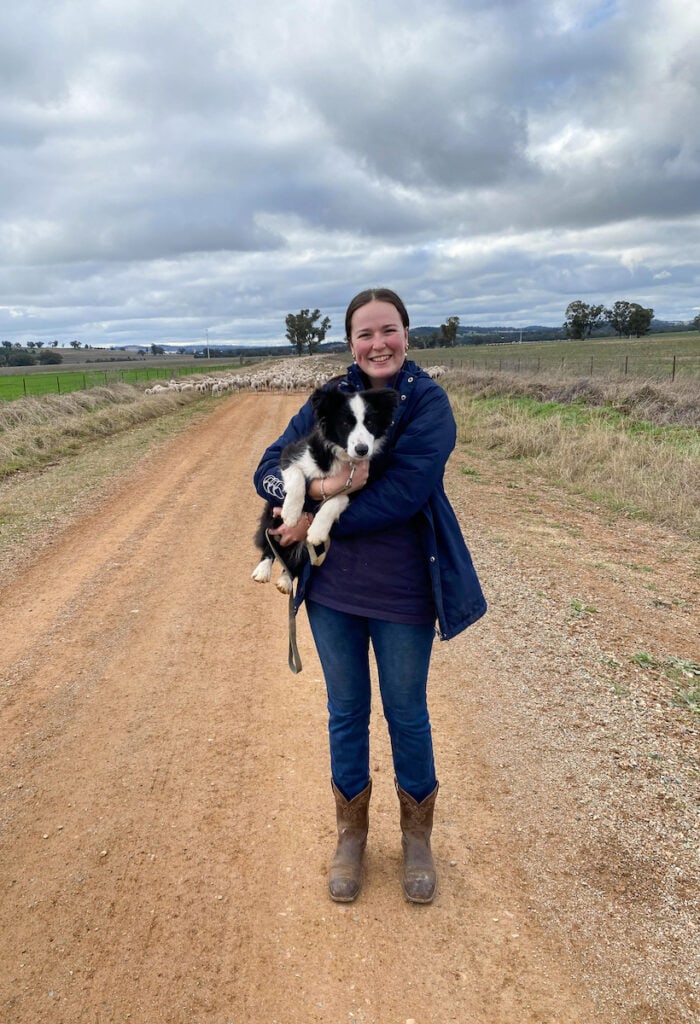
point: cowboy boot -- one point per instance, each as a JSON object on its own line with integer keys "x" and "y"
{"x": 352, "y": 816}
{"x": 419, "y": 875}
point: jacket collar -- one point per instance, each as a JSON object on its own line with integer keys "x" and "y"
{"x": 357, "y": 381}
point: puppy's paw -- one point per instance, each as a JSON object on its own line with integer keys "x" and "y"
{"x": 262, "y": 571}
{"x": 317, "y": 552}
{"x": 284, "y": 584}
{"x": 316, "y": 534}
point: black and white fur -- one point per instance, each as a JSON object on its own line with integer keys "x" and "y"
{"x": 348, "y": 427}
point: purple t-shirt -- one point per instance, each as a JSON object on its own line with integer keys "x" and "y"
{"x": 382, "y": 575}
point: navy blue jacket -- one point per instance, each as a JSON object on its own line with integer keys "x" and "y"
{"x": 405, "y": 480}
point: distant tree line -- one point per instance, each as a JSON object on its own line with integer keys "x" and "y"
{"x": 623, "y": 318}
{"x": 14, "y": 354}
{"x": 429, "y": 337}
{"x": 626, "y": 319}
{"x": 447, "y": 336}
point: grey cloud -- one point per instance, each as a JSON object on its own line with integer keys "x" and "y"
{"x": 218, "y": 167}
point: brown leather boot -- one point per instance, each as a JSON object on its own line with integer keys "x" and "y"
{"x": 419, "y": 875}
{"x": 352, "y": 816}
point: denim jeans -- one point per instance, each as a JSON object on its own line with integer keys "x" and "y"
{"x": 402, "y": 652}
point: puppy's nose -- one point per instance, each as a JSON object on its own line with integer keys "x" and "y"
{"x": 361, "y": 450}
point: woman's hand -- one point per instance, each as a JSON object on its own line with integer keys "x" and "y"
{"x": 292, "y": 534}
{"x": 356, "y": 472}
{"x": 359, "y": 476}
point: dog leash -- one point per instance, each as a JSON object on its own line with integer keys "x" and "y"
{"x": 293, "y": 658}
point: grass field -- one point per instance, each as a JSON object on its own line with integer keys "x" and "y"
{"x": 64, "y": 380}
{"x": 632, "y": 446}
{"x": 660, "y": 356}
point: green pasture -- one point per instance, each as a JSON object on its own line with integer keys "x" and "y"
{"x": 656, "y": 355}
{"x": 580, "y": 415}
{"x": 62, "y": 381}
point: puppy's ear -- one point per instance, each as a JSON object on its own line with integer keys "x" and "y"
{"x": 384, "y": 399}
{"x": 316, "y": 400}
{"x": 323, "y": 402}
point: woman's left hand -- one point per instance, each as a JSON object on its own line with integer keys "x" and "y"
{"x": 292, "y": 534}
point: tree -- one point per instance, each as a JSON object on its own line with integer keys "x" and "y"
{"x": 303, "y": 332}
{"x": 628, "y": 318}
{"x": 157, "y": 350}
{"x": 448, "y": 331}
{"x": 640, "y": 320}
{"x": 21, "y": 357}
{"x": 581, "y": 319}
{"x": 696, "y": 322}
{"x": 619, "y": 317}
{"x": 50, "y": 356}
{"x": 75, "y": 344}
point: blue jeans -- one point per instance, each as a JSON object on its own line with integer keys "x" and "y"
{"x": 403, "y": 654}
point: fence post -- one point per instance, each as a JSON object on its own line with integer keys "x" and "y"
{"x": 673, "y": 371}
{"x": 591, "y": 366}
{"x": 58, "y": 384}
{"x": 24, "y": 385}
{"x": 626, "y": 360}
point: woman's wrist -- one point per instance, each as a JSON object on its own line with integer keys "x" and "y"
{"x": 329, "y": 486}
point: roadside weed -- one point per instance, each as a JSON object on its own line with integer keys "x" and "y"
{"x": 685, "y": 674}
{"x": 579, "y": 610}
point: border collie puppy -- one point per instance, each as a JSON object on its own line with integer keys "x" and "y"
{"x": 347, "y": 427}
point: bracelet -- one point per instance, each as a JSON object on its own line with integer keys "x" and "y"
{"x": 346, "y": 486}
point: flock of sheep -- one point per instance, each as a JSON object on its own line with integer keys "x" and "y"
{"x": 287, "y": 375}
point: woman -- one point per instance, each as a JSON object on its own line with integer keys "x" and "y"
{"x": 396, "y": 564}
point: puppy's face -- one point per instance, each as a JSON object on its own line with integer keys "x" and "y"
{"x": 355, "y": 424}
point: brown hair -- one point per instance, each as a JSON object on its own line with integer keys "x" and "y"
{"x": 374, "y": 295}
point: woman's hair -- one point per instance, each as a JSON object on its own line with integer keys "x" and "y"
{"x": 374, "y": 295}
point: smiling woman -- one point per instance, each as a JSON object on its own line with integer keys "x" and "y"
{"x": 376, "y": 328}
{"x": 396, "y": 573}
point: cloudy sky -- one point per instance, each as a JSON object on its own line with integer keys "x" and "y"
{"x": 168, "y": 169}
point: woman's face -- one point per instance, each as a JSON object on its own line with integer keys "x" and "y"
{"x": 378, "y": 341}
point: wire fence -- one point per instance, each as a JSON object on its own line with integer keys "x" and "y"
{"x": 22, "y": 386}
{"x": 671, "y": 367}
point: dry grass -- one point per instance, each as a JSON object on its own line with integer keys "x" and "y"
{"x": 619, "y": 443}
{"x": 631, "y": 445}
{"x": 35, "y": 431}
{"x": 651, "y": 401}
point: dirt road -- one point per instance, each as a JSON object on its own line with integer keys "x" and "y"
{"x": 166, "y": 815}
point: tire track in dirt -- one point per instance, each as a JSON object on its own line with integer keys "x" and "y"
{"x": 166, "y": 809}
